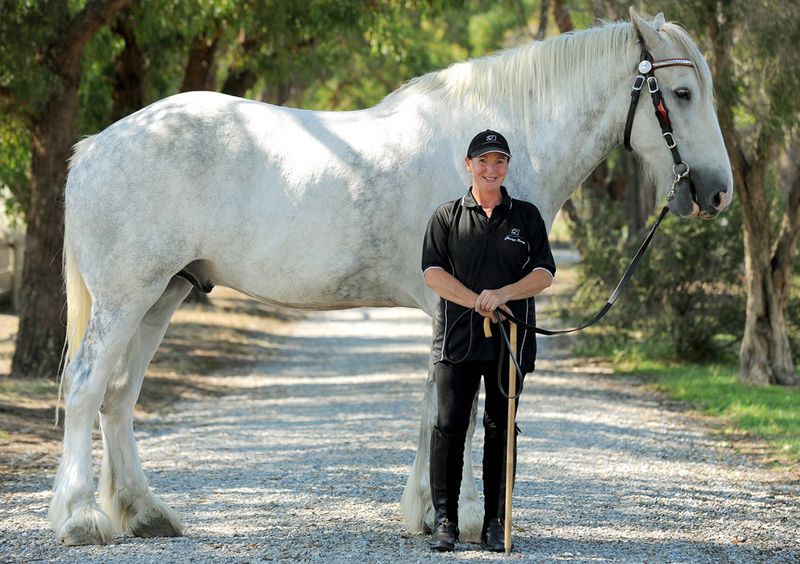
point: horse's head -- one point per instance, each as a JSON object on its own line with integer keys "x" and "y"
{"x": 689, "y": 98}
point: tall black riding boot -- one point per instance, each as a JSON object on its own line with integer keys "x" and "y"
{"x": 494, "y": 489}
{"x": 447, "y": 461}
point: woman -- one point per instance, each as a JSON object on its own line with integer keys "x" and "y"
{"x": 482, "y": 252}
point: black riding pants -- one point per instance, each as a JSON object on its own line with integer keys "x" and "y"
{"x": 456, "y": 386}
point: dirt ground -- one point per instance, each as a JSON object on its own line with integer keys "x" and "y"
{"x": 232, "y": 330}
{"x": 204, "y": 343}
{"x": 305, "y": 456}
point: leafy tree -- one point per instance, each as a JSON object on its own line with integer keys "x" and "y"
{"x": 270, "y": 49}
{"x": 756, "y": 80}
{"x": 41, "y": 46}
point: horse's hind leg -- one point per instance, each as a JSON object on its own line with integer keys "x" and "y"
{"x": 416, "y": 502}
{"x": 74, "y": 514}
{"x": 124, "y": 492}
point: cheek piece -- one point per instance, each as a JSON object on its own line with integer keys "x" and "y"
{"x": 646, "y": 69}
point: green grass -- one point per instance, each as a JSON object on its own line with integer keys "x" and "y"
{"x": 772, "y": 413}
{"x": 16, "y": 387}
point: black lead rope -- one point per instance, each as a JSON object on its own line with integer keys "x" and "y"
{"x": 627, "y": 275}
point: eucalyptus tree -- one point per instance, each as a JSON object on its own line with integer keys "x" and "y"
{"x": 41, "y": 47}
{"x": 268, "y": 49}
{"x": 757, "y": 78}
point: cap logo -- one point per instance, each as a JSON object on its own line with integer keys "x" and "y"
{"x": 491, "y": 137}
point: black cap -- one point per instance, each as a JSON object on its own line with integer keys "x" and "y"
{"x": 488, "y": 142}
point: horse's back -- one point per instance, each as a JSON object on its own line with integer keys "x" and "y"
{"x": 272, "y": 198}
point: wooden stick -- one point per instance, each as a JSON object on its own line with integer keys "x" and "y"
{"x": 512, "y": 391}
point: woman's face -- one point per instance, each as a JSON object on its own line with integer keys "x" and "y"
{"x": 488, "y": 171}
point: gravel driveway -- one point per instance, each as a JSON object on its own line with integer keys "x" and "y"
{"x": 307, "y": 459}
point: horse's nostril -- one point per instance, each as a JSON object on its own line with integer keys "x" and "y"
{"x": 718, "y": 199}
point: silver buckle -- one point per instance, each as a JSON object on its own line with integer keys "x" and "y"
{"x": 652, "y": 84}
{"x": 670, "y": 139}
{"x": 680, "y": 175}
{"x": 638, "y": 83}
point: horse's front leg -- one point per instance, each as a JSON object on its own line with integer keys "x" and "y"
{"x": 416, "y": 502}
{"x": 124, "y": 491}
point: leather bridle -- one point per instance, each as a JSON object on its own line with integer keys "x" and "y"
{"x": 646, "y": 68}
{"x": 680, "y": 170}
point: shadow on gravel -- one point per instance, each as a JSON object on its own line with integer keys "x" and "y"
{"x": 551, "y": 548}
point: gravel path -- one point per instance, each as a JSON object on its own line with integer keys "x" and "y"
{"x": 307, "y": 460}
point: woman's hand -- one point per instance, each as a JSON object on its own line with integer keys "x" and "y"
{"x": 490, "y": 301}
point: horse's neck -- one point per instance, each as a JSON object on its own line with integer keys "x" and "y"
{"x": 558, "y": 143}
{"x": 567, "y": 146}
{"x": 560, "y": 151}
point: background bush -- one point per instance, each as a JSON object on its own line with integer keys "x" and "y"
{"x": 686, "y": 300}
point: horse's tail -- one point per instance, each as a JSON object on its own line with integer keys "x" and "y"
{"x": 79, "y": 301}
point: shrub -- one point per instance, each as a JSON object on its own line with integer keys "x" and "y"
{"x": 686, "y": 299}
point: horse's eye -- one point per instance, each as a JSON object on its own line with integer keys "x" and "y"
{"x": 683, "y": 93}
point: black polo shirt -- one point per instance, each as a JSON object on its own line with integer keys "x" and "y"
{"x": 484, "y": 253}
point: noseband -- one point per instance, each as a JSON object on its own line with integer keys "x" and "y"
{"x": 646, "y": 69}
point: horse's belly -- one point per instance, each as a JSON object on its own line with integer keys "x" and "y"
{"x": 292, "y": 279}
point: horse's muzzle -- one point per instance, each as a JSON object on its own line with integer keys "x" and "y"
{"x": 700, "y": 195}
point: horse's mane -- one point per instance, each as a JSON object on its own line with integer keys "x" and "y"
{"x": 543, "y": 72}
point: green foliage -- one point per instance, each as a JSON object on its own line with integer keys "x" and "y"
{"x": 29, "y": 31}
{"x": 26, "y": 31}
{"x": 686, "y": 298}
{"x": 97, "y": 88}
{"x": 15, "y": 161}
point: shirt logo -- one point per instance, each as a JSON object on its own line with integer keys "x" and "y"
{"x": 514, "y": 237}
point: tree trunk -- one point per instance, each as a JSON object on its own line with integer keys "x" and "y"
{"x": 562, "y": 16}
{"x": 765, "y": 356}
{"x": 201, "y": 68}
{"x": 239, "y": 82}
{"x": 128, "y": 69}
{"x": 41, "y": 326}
{"x": 544, "y": 9}
{"x": 40, "y": 338}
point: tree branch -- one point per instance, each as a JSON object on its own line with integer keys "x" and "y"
{"x": 784, "y": 252}
{"x": 542, "y": 32}
{"x": 66, "y": 52}
{"x": 562, "y": 16}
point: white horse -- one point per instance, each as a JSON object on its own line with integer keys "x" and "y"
{"x": 326, "y": 210}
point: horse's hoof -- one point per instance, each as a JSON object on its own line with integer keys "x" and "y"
{"x": 157, "y": 520}
{"x": 88, "y": 526}
{"x": 160, "y": 527}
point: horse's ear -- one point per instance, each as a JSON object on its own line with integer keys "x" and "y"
{"x": 647, "y": 34}
{"x": 659, "y": 22}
